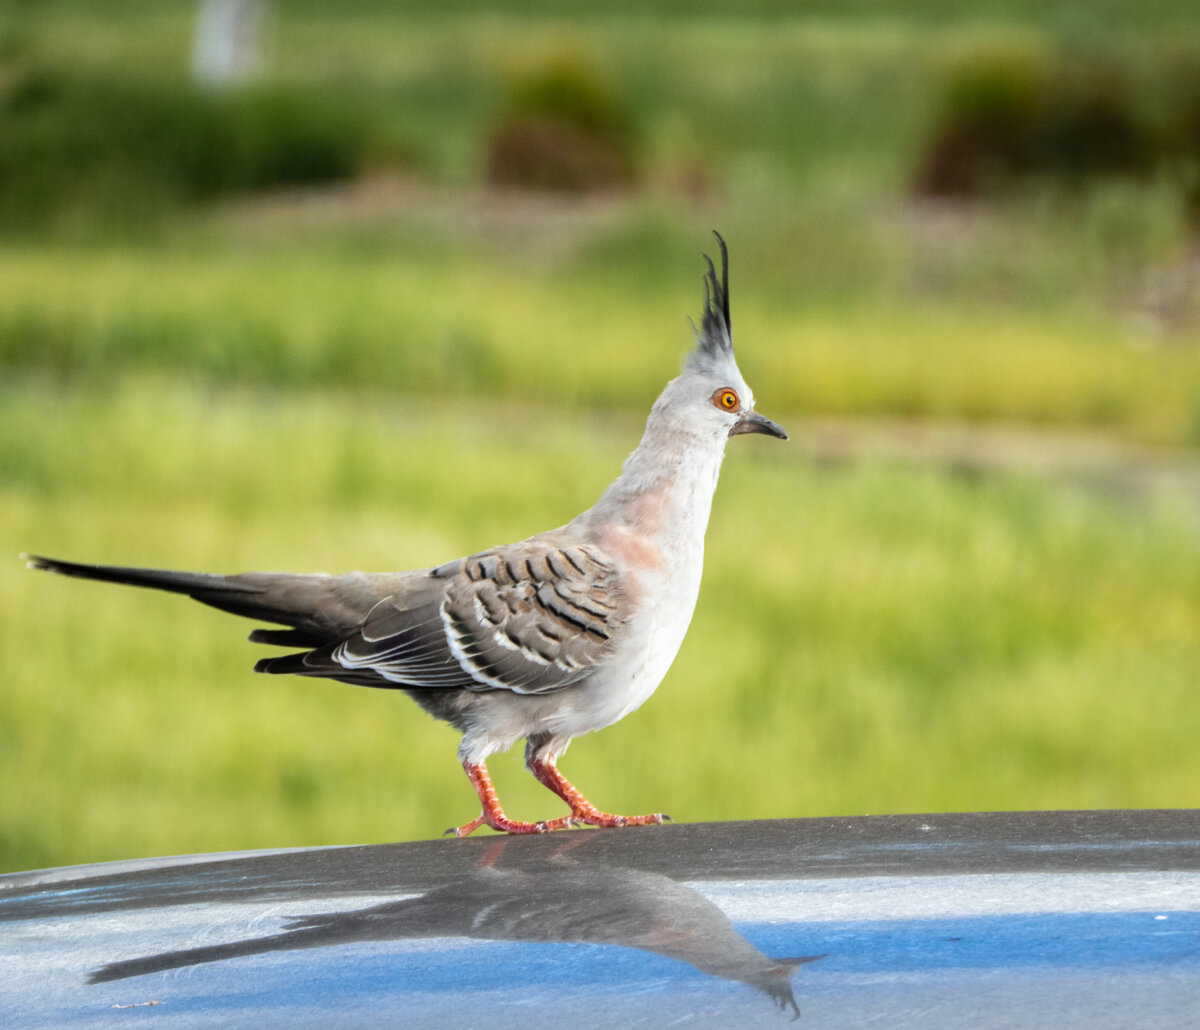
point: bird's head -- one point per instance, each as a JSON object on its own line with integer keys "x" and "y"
{"x": 711, "y": 384}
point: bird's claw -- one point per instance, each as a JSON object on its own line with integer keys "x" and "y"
{"x": 606, "y": 820}
{"x": 581, "y": 819}
{"x": 502, "y": 824}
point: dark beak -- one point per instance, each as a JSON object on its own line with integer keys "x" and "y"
{"x": 753, "y": 422}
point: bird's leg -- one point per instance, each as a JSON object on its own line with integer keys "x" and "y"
{"x": 546, "y": 771}
{"x": 493, "y": 815}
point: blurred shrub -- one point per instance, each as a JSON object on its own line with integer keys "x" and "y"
{"x": 1008, "y": 117}
{"x": 564, "y": 128}
{"x": 1181, "y": 127}
{"x": 987, "y": 128}
{"x": 1094, "y": 125}
{"x": 123, "y": 149}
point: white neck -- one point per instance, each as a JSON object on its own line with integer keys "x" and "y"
{"x": 665, "y": 489}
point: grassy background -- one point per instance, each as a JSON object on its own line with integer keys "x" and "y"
{"x": 394, "y": 372}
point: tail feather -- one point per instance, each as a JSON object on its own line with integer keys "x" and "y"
{"x": 190, "y": 583}
{"x": 318, "y": 608}
{"x": 288, "y": 638}
{"x": 318, "y": 663}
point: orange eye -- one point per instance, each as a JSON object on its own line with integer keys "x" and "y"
{"x": 726, "y": 399}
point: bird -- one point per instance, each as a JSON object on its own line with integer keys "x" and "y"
{"x": 560, "y": 634}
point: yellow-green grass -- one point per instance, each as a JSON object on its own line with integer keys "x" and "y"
{"x": 452, "y": 322}
{"x": 871, "y": 638}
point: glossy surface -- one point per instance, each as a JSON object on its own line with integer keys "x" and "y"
{"x": 1052, "y": 919}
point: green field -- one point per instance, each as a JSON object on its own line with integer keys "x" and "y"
{"x": 393, "y": 372}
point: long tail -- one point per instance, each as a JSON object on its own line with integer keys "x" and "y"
{"x": 203, "y": 586}
{"x": 318, "y": 608}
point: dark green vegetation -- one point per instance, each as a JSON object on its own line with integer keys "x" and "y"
{"x": 297, "y": 328}
{"x": 1017, "y": 114}
{"x": 124, "y": 150}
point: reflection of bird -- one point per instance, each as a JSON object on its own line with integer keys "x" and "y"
{"x": 545, "y": 639}
{"x": 548, "y": 901}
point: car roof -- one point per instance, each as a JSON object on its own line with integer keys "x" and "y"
{"x": 986, "y": 919}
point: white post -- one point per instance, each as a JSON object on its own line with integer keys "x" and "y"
{"x": 227, "y": 44}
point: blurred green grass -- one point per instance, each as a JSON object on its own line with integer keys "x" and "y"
{"x": 393, "y": 374}
{"x": 874, "y": 637}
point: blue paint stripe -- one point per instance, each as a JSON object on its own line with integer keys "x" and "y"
{"x": 1071, "y": 941}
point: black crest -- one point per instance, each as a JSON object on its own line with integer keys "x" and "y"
{"x": 713, "y": 342}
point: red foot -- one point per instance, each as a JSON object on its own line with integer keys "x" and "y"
{"x": 499, "y": 821}
{"x": 493, "y": 815}
{"x": 591, "y": 816}
{"x": 505, "y": 825}
{"x": 582, "y": 810}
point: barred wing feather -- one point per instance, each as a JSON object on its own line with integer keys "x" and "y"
{"x": 529, "y": 618}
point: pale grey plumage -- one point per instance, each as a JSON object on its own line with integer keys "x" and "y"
{"x": 545, "y": 639}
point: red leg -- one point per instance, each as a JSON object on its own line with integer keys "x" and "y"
{"x": 582, "y": 810}
{"x": 493, "y": 815}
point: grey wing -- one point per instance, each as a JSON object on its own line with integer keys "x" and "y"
{"x": 528, "y": 617}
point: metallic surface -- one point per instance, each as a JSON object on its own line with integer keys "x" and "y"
{"x": 1058, "y": 919}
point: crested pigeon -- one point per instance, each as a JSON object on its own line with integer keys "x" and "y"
{"x": 542, "y": 640}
